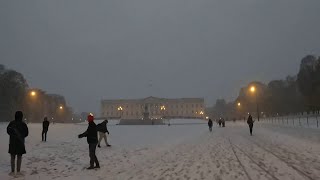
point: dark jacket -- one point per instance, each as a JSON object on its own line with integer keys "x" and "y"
{"x": 102, "y": 127}
{"x": 210, "y": 123}
{"x": 18, "y": 131}
{"x": 45, "y": 125}
{"x": 91, "y": 134}
{"x": 250, "y": 121}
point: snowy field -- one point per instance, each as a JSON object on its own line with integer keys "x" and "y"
{"x": 183, "y": 151}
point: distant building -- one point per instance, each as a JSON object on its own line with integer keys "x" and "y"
{"x": 155, "y": 107}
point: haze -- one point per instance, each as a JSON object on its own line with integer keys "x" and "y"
{"x": 89, "y": 50}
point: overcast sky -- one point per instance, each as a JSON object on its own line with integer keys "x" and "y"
{"x": 91, "y": 50}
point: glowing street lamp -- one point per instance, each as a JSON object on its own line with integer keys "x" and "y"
{"x": 120, "y": 109}
{"x": 239, "y": 104}
{"x": 162, "y": 109}
{"x": 33, "y": 93}
{"x": 61, "y": 107}
{"x": 253, "y": 90}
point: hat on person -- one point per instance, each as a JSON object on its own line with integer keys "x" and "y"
{"x": 90, "y": 118}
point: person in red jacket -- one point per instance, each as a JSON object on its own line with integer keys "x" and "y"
{"x": 92, "y": 139}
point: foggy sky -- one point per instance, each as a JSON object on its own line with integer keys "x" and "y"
{"x": 90, "y": 50}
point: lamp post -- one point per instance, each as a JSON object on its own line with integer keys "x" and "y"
{"x": 162, "y": 109}
{"x": 32, "y": 106}
{"x": 253, "y": 90}
{"x": 239, "y": 108}
{"x": 120, "y": 109}
{"x": 201, "y": 113}
{"x": 33, "y": 93}
{"x": 61, "y": 113}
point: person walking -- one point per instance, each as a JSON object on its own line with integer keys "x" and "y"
{"x": 45, "y": 127}
{"x": 102, "y": 129}
{"x": 250, "y": 122}
{"x": 223, "y": 122}
{"x": 17, "y": 131}
{"x": 92, "y": 139}
{"x": 210, "y": 124}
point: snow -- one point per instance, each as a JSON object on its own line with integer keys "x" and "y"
{"x": 184, "y": 150}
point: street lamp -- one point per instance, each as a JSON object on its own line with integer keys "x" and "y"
{"x": 201, "y": 113}
{"x": 253, "y": 90}
{"x": 33, "y": 93}
{"x": 61, "y": 107}
{"x": 120, "y": 109}
{"x": 239, "y": 108}
{"x": 162, "y": 109}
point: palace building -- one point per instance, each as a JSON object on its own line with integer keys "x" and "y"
{"x": 153, "y": 108}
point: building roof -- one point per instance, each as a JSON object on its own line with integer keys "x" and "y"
{"x": 152, "y": 99}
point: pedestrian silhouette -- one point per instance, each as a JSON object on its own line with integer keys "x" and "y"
{"x": 18, "y": 131}
{"x": 45, "y": 128}
{"x": 92, "y": 139}
{"x": 250, "y": 122}
{"x": 102, "y": 130}
{"x": 210, "y": 124}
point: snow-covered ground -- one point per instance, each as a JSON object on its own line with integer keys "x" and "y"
{"x": 182, "y": 151}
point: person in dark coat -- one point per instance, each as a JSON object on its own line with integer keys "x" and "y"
{"x": 45, "y": 127}
{"x": 223, "y": 122}
{"x": 92, "y": 139}
{"x": 17, "y": 131}
{"x": 210, "y": 124}
{"x": 102, "y": 129}
{"x": 220, "y": 122}
{"x": 250, "y": 122}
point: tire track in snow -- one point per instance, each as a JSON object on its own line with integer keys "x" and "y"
{"x": 282, "y": 160}
{"x": 251, "y": 159}
{"x": 235, "y": 154}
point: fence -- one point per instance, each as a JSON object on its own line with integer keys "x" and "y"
{"x": 302, "y": 121}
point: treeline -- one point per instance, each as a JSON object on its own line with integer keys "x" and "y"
{"x": 15, "y": 94}
{"x": 292, "y": 95}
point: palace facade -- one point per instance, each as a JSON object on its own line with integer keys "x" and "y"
{"x": 156, "y": 108}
